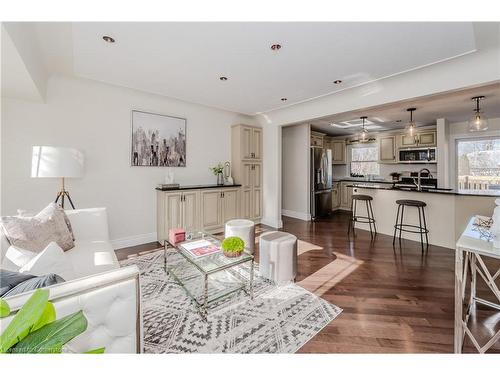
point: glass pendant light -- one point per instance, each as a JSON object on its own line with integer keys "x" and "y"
{"x": 363, "y": 136}
{"x": 411, "y": 127}
{"x": 478, "y": 122}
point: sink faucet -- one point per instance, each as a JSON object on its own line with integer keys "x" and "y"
{"x": 419, "y": 178}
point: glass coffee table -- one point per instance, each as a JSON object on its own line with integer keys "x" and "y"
{"x": 209, "y": 278}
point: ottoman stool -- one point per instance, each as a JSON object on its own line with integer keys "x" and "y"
{"x": 278, "y": 256}
{"x": 244, "y": 229}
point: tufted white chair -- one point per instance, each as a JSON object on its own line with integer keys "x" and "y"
{"x": 111, "y": 304}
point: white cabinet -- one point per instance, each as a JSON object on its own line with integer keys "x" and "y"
{"x": 249, "y": 142}
{"x": 387, "y": 149}
{"x": 335, "y": 195}
{"x": 195, "y": 210}
{"x": 420, "y": 139}
{"x": 247, "y": 171}
{"x": 317, "y": 139}
{"x": 178, "y": 209}
{"x": 338, "y": 151}
{"x": 345, "y": 195}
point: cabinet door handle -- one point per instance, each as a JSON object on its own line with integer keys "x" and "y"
{"x": 223, "y": 194}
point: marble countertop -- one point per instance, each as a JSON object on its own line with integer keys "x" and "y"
{"x": 478, "y": 193}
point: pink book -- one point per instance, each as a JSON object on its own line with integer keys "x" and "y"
{"x": 201, "y": 248}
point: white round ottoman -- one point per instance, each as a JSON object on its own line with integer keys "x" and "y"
{"x": 278, "y": 256}
{"x": 244, "y": 229}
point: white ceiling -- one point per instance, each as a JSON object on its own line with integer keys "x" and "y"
{"x": 454, "y": 106}
{"x": 185, "y": 60}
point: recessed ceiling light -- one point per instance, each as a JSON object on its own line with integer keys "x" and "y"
{"x": 284, "y": 99}
{"x": 337, "y": 81}
{"x": 223, "y": 78}
{"x": 108, "y": 39}
{"x": 276, "y": 47}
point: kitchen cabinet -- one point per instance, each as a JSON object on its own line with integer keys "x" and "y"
{"x": 387, "y": 149}
{"x": 335, "y": 195}
{"x": 317, "y": 139}
{"x": 338, "y": 148}
{"x": 420, "y": 139}
{"x": 248, "y": 171}
{"x": 218, "y": 207}
{"x": 249, "y": 140}
{"x": 345, "y": 195}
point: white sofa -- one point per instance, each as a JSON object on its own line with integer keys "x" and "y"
{"x": 108, "y": 295}
{"x": 93, "y": 252}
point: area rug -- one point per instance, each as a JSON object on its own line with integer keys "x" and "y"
{"x": 280, "y": 319}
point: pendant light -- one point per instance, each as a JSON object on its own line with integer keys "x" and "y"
{"x": 363, "y": 136}
{"x": 478, "y": 122}
{"x": 411, "y": 126}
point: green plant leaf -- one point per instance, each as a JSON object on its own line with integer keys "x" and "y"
{"x": 48, "y": 316}
{"x": 25, "y": 319}
{"x": 51, "y": 337}
{"x": 4, "y": 308}
{"x": 96, "y": 351}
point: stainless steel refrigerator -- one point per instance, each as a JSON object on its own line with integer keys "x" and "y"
{"x": 321, "y": 182}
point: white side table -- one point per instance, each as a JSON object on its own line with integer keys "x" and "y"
{"x": 469, "y": 253}
{"x": 278, "y": 256}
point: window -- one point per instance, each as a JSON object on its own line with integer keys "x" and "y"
{"x": 364, "y": 160}
{"x": 478, "y": 164}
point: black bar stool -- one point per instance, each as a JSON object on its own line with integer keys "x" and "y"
{"x": 410, "y": 228}
{"x": 370, "y": 219}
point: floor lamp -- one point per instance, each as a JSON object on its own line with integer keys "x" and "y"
{"x": 57, "y": 162}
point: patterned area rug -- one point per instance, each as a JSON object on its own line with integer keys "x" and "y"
{"x": 280, "y": 319}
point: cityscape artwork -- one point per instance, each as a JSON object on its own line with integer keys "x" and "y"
{"x": 158, "y": 140}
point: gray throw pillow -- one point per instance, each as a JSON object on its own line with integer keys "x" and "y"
{"x": 9, "y": 279}
{"x": 32, "y": 283}
{"x": 35, "y": 233}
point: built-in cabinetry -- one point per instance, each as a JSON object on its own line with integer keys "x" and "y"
{"x": 345, "y": 195}
{"x": 335, "y": 195}
{"x": 196, "y": 209}
{"x": 317, "y": 139}
{"x": 387, "y": 149}
{"x": 338, "y": 148}
{"x": 246, "y": 168}
{"x": 420, "y": 139}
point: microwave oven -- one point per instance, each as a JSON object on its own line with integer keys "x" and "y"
{"x": 417, "y": 155}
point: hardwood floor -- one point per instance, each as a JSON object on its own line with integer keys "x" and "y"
{"x": 394, "y": 300}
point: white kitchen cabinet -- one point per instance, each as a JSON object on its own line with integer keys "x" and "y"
{"x": 317, "y": 139}
{"x": 230, "y": 204}
{"x": 387, "y": 149}
{"x": 248, "y": 171}
{"x": 420, "y": 139}
{"x": 211, "y": 209}
{"x": 338, "y": 148}
{"x": 345, "y": 195}
{"x": 335, "y": 196}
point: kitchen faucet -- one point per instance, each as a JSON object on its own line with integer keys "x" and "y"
{"x": 419, "y": 178}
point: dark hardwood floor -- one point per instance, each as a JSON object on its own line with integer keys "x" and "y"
{"x": 393, "y": 300}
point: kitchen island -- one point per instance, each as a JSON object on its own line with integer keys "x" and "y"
{"x": 447, "y": 211}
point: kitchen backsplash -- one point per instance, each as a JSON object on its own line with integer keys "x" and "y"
{"x": 386, "y": 169}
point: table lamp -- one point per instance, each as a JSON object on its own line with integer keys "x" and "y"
{"x": 57, "y": 162}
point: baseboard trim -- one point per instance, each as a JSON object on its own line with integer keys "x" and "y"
{"x": 296, "y": 215}
{"x": 139, "y": 239}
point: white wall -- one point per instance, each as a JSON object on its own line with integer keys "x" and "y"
{"x": 95, "y": 118}
{"x": 296, "y": 164}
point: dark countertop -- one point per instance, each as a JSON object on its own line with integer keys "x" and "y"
{"x": 476, "y": 193}
{"x": 196, "y": 187}
{"x": 363, "y": 180}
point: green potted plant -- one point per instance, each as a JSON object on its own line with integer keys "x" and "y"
{"x": 34, "y": 328}
{"x": 233, "y": 247}
{"x": 218, "y": 171}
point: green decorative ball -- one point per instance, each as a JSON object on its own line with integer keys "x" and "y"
{"x": 233, "y": 245}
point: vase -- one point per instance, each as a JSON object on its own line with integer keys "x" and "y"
{"x": 220, "y": 179}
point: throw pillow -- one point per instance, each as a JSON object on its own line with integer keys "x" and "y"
{"x": 10, "y": 279}
{"x": 35, "y": 233}
{"x": 51, "y": 260}
{"x": 29, "y": 282}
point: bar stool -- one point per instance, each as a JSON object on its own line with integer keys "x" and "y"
{"x": 403, "y": 227}
{"x": 370, "y": 219}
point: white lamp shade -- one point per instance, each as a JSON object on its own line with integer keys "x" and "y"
{"x": 49, "y": 161}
